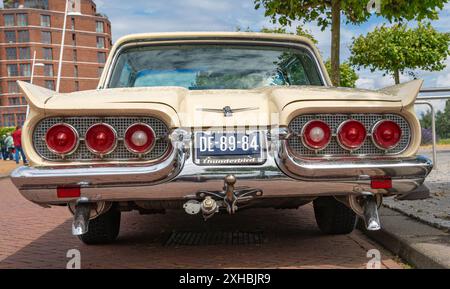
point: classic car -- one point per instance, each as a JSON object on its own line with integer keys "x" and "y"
{"x": 215, "y": 123}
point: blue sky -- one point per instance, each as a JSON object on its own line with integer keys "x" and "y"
{"x": 225, "y": 15}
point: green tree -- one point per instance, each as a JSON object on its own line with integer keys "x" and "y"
{"x": 348, "y": 76}
{"x": 443, "y": 121}
{"x": 328, "y": 13}
{"x": 399, "y": 48}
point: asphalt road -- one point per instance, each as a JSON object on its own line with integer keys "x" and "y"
{"x": 35, "y": 237}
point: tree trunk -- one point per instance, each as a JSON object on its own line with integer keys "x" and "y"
{"x": 397, "y": 76}
{"x": 335, "y": 41}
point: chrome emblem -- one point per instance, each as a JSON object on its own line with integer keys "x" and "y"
{"x": 227, "y": 111}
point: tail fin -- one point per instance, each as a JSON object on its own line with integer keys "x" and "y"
{"x": 407, "y": 91}
{"x": 36, "y": 96}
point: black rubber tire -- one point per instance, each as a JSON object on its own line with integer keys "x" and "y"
{"x": 104, "y": 229}
{"x": 333, "y": 217}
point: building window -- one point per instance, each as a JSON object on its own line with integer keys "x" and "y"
{"x": 12, "y": 70}
{"x": 24, "y": 53}
{"x": 45, "y": 20}
{"x": 75, "y": 71}
{"x": 100, "y": 71}
{"x": 47, "y": 53}
{"x": 11, "y": 53}
{"x": 14, "y": 101}
{"x": 101, "y": 57}
{"x": 46, "y": 37}
{"x": 10, "y": 36}
{"x": 21, "y": 118}
{"x": 13, "y": 87}
{"x": 72, "y": 23}
{"x": 23, "y": 36}
{"x": 99, "y": 27}
{"x": 100, "y": 42}
{"x": 25, "y": 70}
{"x": 24, "y": 101}
{"x": 50, "y": 84}
{"x": 48, "y": 69}
{"x": 36, "y": 4}
{"x": 74, "y": 39}
{"x": 22, "y": 19}
{"x": 77, "y": 86}
{"x": 74, "y": 54}
{"x": 8, "y": 120}
{"x": 9, "y": 20}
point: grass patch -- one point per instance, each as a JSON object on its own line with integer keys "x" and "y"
{"x": 445, "y": 141}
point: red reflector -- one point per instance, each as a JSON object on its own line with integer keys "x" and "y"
{"x": 68, "y": 192}
{"x": 381, "y": 183}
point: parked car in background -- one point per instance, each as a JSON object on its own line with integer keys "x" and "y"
{"x": 216, "y": 123}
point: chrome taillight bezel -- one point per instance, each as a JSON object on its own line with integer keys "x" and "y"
{"x": 375, "y": 127}
{"x": 75, "y": 146}
{"x": 149, "y": 149}
{"x": 302, "y": 135}
{"x": 96, "y": 152}
{"x": 345, "y": 146}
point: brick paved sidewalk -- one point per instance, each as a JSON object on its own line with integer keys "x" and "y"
{"x": 34, "y": 237}
{"x": 6, "y": 167}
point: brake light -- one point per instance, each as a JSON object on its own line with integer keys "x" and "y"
{"x": 386, "y": 134}
{"x": 351, "y": 134}
{"x": 101, "y": 139}
{"x": 139, "y": 138}
{"x": 316, "y": 134}
{"x": 61, "y": 139}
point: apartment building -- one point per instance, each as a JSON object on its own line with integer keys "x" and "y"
{"x": 35, "y": 26}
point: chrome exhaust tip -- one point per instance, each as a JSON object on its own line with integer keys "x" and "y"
{"x": 370, "y": 215}
{"x": 81, "y": 216}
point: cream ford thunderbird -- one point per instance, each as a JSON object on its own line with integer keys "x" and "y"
{"x": 214, "y": 123}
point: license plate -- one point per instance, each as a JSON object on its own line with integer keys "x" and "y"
{"x": 216, "y": 144}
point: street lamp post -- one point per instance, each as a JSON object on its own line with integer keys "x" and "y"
{"x": 61, "y": 50}
{"x": 34, "y": 65}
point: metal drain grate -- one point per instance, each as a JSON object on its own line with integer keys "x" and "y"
{"x": 181, "y": 238}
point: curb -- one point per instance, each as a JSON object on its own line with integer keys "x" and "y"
{"x": 420, "y": 245}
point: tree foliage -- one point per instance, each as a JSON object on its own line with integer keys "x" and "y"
{"x": 355, "y": 11}
{"x": 399, "y": 48}
{"x": 348, "y": 74}
{"x": 328, "y": 13}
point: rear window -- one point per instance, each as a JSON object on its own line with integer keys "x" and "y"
{"x": 214, "y": 67}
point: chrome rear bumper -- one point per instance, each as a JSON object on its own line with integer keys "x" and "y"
{"x": 177, "y": 177}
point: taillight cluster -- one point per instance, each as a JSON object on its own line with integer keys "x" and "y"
{"x": 100, "y": 138}
{"x": 351, "y": 134}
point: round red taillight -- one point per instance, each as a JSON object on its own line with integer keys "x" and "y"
{"x": 386, "y": 134}
{"x": 351, "y": 134}
{"x": 316, "y": 134}
{"x": 101, "y": 139}
{"x": 61, "y": 139}
{"x": 139, "y": 138}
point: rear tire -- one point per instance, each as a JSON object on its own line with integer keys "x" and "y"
{"x": 104, "y": 229}
{"x": 333, "y": 217}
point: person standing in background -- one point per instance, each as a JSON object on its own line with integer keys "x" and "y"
{"x": 3, "y": 147}
{"x": 17, "y": 138}
{"x": 9, "y": 144}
